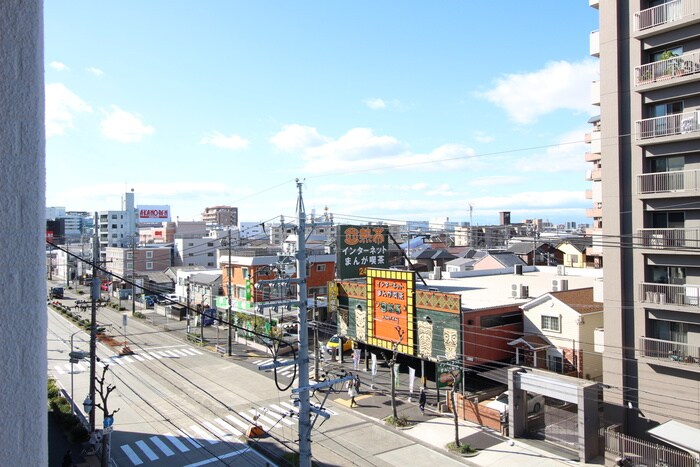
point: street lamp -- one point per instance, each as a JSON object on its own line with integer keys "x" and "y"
{"x": 74, "y": 357}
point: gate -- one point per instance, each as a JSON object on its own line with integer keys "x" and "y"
{"x": 556, "y": 423}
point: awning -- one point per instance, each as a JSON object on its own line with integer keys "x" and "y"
{"x": 678, "y": 434}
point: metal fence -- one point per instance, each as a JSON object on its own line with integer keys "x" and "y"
{"x": 638, "y": 452}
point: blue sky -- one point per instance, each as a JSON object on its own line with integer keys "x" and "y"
{"x": 395, "y": 110}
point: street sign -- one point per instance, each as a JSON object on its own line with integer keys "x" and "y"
{"x": 107, "y": 430}
{"x": 108, "y": 422}
{"x": 77, "y": 355}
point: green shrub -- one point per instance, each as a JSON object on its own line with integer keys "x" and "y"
{"x": 464, "y": 448}
{"x": 400, "y": 421}
{"x": 52, "y": 388}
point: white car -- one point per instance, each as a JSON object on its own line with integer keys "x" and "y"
{"x": 535, "y": 402}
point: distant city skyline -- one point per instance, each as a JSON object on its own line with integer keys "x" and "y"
{"x": 387, "y": 112}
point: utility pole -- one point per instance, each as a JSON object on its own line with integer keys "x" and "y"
{"x": 304, "y": 405}
{"x": 133, "y": 276}
{"x": 228, "y": 293}
{"x": 317, "y": 355}
{"x": 187, "y": 281}
{"x": 94, "y": 295}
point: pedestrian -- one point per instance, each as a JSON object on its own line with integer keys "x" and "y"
{"x": 358, "y": 383}
{"x": 421, "y": 401}
{"x": 352, "y": 392}
{"x": 67, "y": 459}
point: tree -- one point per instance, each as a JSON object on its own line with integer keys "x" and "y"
{"x": 104, "y": 393}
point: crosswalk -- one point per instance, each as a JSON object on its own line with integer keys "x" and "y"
{"x": 120, "y": 360}
{"x": 285, "y": 371}
{"x": 229, "y": 428}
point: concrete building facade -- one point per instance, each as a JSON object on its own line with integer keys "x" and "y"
{"x": 650, "y": 156}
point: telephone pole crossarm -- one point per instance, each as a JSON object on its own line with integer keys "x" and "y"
{"x": 323, "y": 384}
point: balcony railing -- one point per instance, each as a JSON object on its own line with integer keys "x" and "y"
{"x": 669, "y": 238}
{"x": 670, "y": 68}
{"x": 666, "y": 13}
{"x": 669, "y": 351}
{"x": 668, "y": 125}
{"x": 665, "y": 182}
{"x": 594, "y": 212}
{"x": 685, "y": 295}
{"x": 594, "y": 174}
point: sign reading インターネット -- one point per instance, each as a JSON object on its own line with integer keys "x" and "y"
{"x": 360, "y": 248}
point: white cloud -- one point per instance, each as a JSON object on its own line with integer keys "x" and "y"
{"x": 123, "y": 126}
{"x": 95, "y": 71}
{"x": 559, "y": 85}
{"x": 59, "y": 66}
{"x": 483, "y": 137}
{"x": 375, "y": 103}
{"x": 233, "y": 142}
{"x": 359, "y": 149}
{"x": 567, "y": 156}
{"x": 496, "y": 180}
{"x": 296, "y": 137}
{"x": 61, "y": 107}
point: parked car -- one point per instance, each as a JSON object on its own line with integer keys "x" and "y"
{"x": 535, "y": 402}
{"x": 56, "y": 292}
{"x": 334, "y": 342}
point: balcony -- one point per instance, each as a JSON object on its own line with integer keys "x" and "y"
{"x": 669, "y": 125}
{"x": 594, "y": 3}
{"x": 685, "y": 295}
{"x": 592, "y": 156}
{"x": 669, "y": 238}
{"x": 681, "y": 181}
{"x": 589, "y": 194}
{"x": 668, "y": 70}
{"x": 674, "y": 11}
{"x": 594, "y": 212}
{"x": 594, "y": 44}
{"x": 595, "y": 93}
{"x": 593, "y": 175}
{"x": 669, "y": 353}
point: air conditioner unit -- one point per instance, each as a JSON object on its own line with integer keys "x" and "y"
{"x": 561, "y": 270}
{"x": 559, "y": 285}
{"x": 519, "y": 291}
{"x": 524, "y": 291}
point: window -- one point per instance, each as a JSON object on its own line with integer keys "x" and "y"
{"x": 551, "y": 323}
{"x": 668, "y": 331}
{"x": 149, "y": 265}
{"x": 320, "y": 267}
{"x": 667, "y": 164}
{"x": 129, "y": 255}
{"x": 668, "y": 220}
{"x": 500, "y": 320}
{"x": 240, "y": 292}
{"x": 129, "y": 266}
{"x": 555, "y": 363}
{"x": 210, "y": 254}
{"x": 114, "y": 216}
{"x": 574, "y": 259}
{"x": 114, "y": 235}
{"x": 210, "y": 244}
{"x": 149, "y": 254}
{"x": 244, "y": 271}
{"x": 114, "y": 226}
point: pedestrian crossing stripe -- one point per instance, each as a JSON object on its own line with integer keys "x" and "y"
{"x": 176, "y": 442}
{"x": 249, "y": 418}
{"x": 136, "y": 460}
{"x": 189, "y": 438}
{"x": 203, "y": 434}
{"x": 228, "y": 427}
{"x": 162, "y": 446}
{"x": 238, "y": 422}
{"x": 81, "y": 367}
{"x": 146, "y": 450}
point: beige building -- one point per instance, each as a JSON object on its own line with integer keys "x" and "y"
{"x": 650, "y": 158}
{"x": 222, "y": 216}
{"x": 562, "y": 324}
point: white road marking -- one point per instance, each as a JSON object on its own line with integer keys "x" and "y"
{"x": 250, "y": 419}
{"x": 205, "y": 436}
{"x": 176, "y": 442}
{"x": 278, "y": 417}
{"x": 238, "y": 422}
{"x": 262, "y": 417}
{"x": 128, "y": 359}
{"x": 228, "y": 427}
{"x": 136, "y": 460}
{"x": 146, "y": 450}
{"x": 189, "y": 438}
{"x": 162, "y": 446}
{"x": 280, "y": 412}
{"x": 139, "y": 358}
{"x": 212, "y": 428}
{"x": 289, "y": 406}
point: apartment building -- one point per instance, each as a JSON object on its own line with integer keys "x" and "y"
{"x": 650, "y": 160}
{"x": 223, "y": 216}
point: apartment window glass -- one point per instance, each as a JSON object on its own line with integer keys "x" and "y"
{"x": 149, "y": 265}
{"x": 662, "y": 110}
{"x": 244, "y": 271}
{"x": 666, "y": 54}
{"x": 129, "y": 255}
{"x": 668, "y": 220}
{"x": 667, "y": 164}
{"x": 149, "y": 254}
{"x": 551, "y": 323}
{"x": 240, "y": 292}
{"x": 668, "y": 331}
{"x": 320, "y": 267}
{"x": 210, "y": 254}
{"x": 129, "y": 266}
{"x": 114, "y": 235}
{"x": 210, "y": 244}
{"x": 114, "y": 216}
{"x": 667, "y": 274}
{"x": 114, "y": 226}
{"x": 555, "y": 362}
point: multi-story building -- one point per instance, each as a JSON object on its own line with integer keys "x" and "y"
{"x": 594, "y": 175}
{"x": 117, "y": 229}
{"x": 222, "y": 216}
{"x": 650, "y": 153}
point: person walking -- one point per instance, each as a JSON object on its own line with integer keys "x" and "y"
{"x": 421, "y": 400}
{"x": 352, "y": 391}
{"x": 358, "y": 383}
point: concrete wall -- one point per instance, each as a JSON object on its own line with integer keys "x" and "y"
{"x": 24, "y": 438}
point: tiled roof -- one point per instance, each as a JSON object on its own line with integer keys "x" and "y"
{"x": 580, "y": 300}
